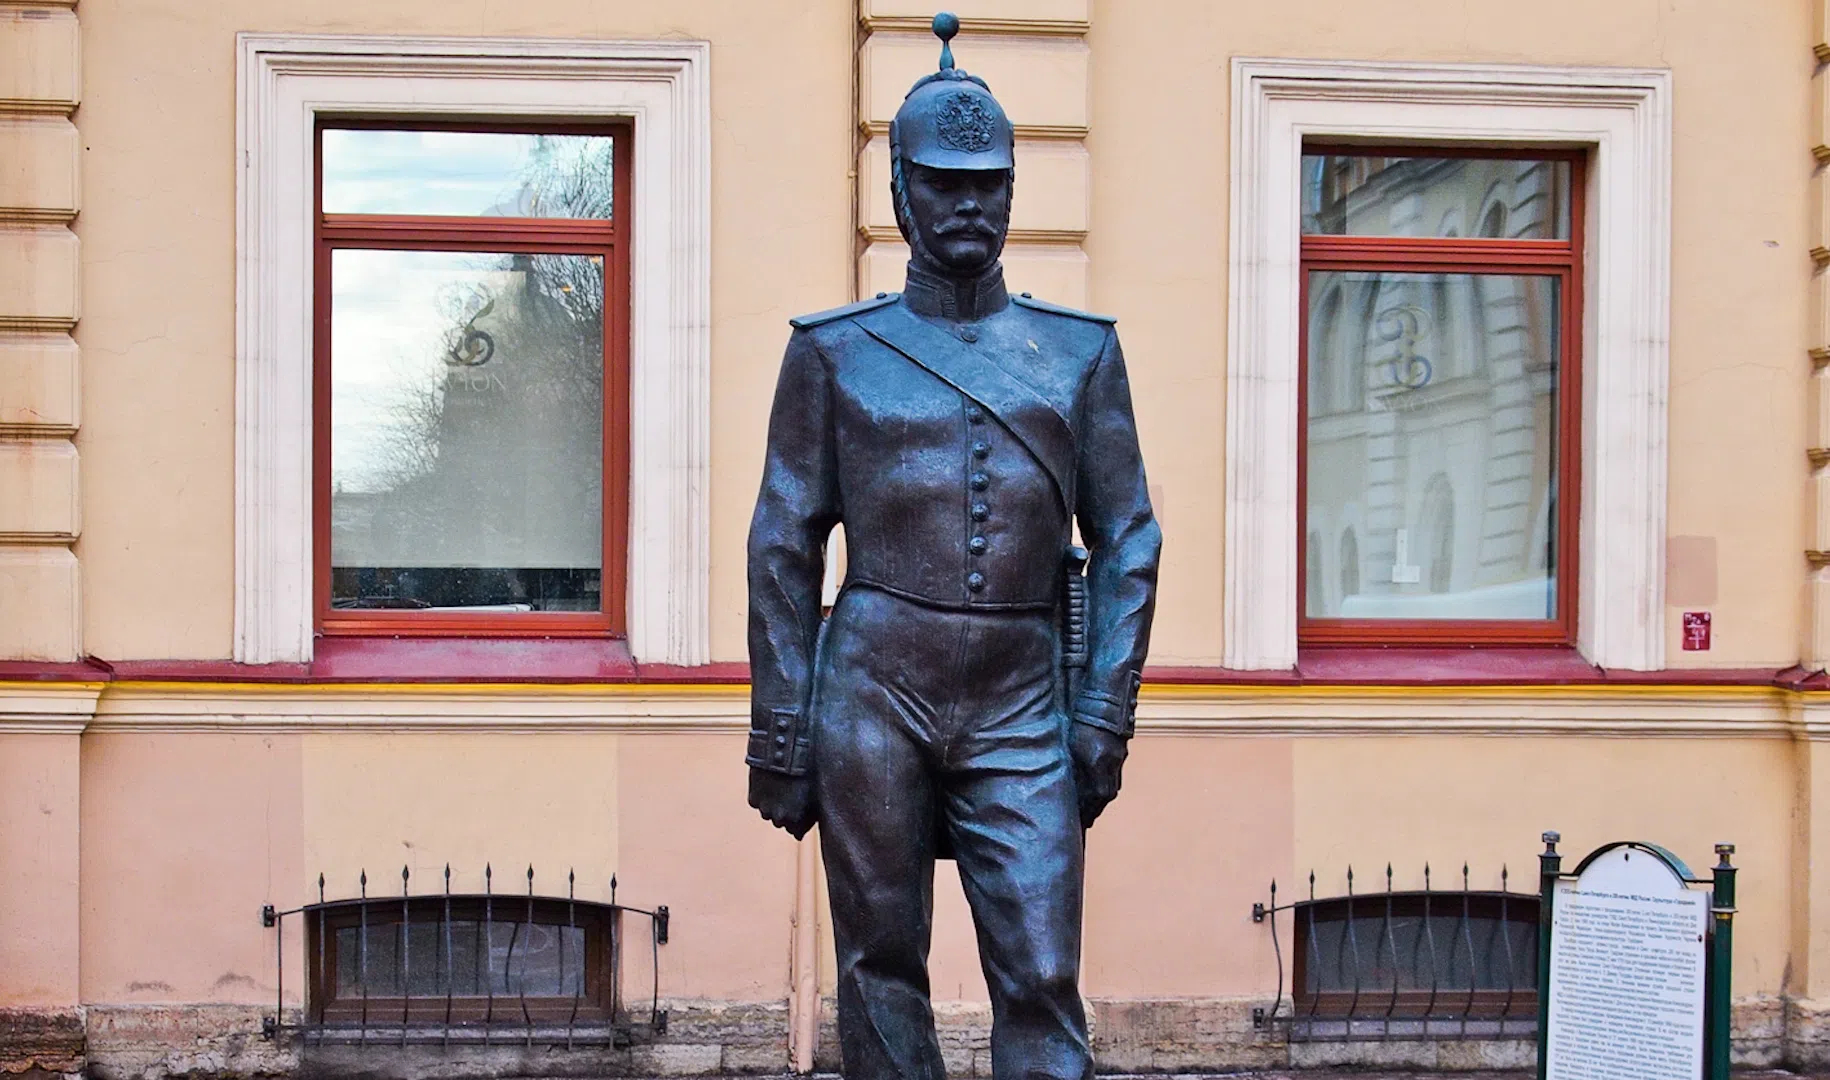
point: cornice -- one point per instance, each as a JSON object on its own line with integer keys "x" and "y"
{"x": 36, "y": 324}
{"x": 28, "y": 215}
{"x": 889, "y": 234}
{"x": 38, "y": 431}
{"x": 36, "y": 107}
{"x": 876, "y": 128}
{"x": 1604, "y": 711}
{"x": 968, "y": 26}
{"x": 1591, "y": 711}
{"x": 47, "y": 708}
{"x": 451, "y": 708}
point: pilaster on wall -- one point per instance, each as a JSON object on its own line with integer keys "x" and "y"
{"x": 40, "y": 84}
{"x": 1808, "y": 982}
{"x": 1034, "y": 55}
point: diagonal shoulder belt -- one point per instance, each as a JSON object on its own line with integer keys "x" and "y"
{"x": 1029, "y": 416}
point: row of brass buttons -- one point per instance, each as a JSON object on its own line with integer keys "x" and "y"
{"x": 981, "y": 450}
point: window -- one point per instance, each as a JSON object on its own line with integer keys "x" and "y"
{"x": 659, "y": 93}
{"x": 483, "y": 956}
{"x": 479, "y": 966}
{"x": 1621, "y": 120}
{"x": 1415, "y": 964}
{"x": 471, "y": 381}
{"x": 1439, "y": 395}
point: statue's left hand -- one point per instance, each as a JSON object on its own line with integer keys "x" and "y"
{"x": 1099, "y": 763}
{"x": 786, "y": 801}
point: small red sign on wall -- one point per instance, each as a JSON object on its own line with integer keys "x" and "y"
{"x": 1696, "y": 631}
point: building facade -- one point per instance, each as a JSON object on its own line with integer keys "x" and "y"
{"x": 383, "y": 390}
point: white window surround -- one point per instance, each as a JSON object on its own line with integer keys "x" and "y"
{"x": 284, "y": 81}
{"x": 1623, "y": 116}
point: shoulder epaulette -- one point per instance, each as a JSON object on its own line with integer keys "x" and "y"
{"x": 821, "y": 318}
{"x": 1029, "y": 301}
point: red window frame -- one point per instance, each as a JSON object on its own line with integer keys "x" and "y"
{"x": 561, "y": 236}
{"x": 1561, "y": 259}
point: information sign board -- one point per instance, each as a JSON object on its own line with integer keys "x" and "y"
{"x": 1627, "y": 972}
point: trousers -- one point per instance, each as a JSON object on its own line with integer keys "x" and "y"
{"x": 930, "y": 719}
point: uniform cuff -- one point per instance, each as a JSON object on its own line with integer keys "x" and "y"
{"x": 1109, "y": 712}
{"x": 779, "y": 742}
{"x": 1100, "y": 711}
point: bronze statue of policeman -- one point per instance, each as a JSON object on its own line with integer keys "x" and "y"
{"x": 972, "y": 690}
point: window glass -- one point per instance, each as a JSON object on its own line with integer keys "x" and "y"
{"x": 466, "y": 430}
{"x": 472, "y": 173}
{"x": 1497, "y": 198}
{"x": 1437, "y": 955}
{"x": 461, "y": 958}
{"x": 1432, "y": 444}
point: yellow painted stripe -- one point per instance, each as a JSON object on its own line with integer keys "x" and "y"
{"x": 1494, "y": 690}
{"x": 1153, "y": 690}
{"x": 386, "y": 689}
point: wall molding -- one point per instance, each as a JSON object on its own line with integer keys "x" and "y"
{"x": 889, "y": 234}
{"x": 916, "y": 24}
{"x": 284, "y": 80}
{"x": 48, "y": 708}
{"x": 37, "y": 324}
{"x": 1663, "y": 712}
{"x": 37, "y": 106}
{"x": 1058, "y": 132}
{"x": 26, "y": 215}
{"x": 1624, "y": 117}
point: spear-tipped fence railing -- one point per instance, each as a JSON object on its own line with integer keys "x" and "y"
{"x": 1407, "y": 964}
{"x": 468, "y": 967}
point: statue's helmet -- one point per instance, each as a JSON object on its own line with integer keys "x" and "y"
{"x": 949, "y": 120}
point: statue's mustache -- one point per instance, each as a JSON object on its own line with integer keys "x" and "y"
{"x": 982, "y": 228}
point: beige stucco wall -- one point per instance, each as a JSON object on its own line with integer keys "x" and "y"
{"x": 1490, "y": 798}
{"x": 1740, "y": 268}
{"x": 158, "y": 228}
{"x": 39, "y": 929}
{"x": 184, "y": 838}
{"x": 185, "y": 833}
{"x": 158, "y": 271}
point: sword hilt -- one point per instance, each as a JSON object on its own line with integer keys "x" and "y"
{"x": 1074, "y": 616}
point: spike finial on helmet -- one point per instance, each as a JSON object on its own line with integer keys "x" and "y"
{"x": 946, "y": 25}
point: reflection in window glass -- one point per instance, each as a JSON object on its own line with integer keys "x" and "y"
{"x": 471, "y": 173}
{"x": 466, "y": 442}
{"x": 1432, "y": 445}
{"x": 1497, "y": 198}
{"x": 1467, "y": 942}
{"x": 462, "y": 959}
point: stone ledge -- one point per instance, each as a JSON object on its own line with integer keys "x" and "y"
{"x": 224, "y": 1042}
{"x": 1137, "y": 1037}
{"x": 37, "y": 1043}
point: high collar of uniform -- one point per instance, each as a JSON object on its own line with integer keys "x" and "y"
{"x": 961, "y": 299}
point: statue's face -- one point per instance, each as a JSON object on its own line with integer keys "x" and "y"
{"x": 961, "y": 215}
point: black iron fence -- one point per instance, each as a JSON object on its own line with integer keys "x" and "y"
{"x": 489, "y": 967}
{"x": 1405, "y": 965}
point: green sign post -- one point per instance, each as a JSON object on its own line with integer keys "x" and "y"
{"x": 1634, "y": 965}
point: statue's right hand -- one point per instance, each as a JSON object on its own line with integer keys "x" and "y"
{"x": 786, "y": 801}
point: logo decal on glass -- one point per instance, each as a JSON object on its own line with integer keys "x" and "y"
{"x": 1408, "y": 326}
{"x": 472, "y": 347}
